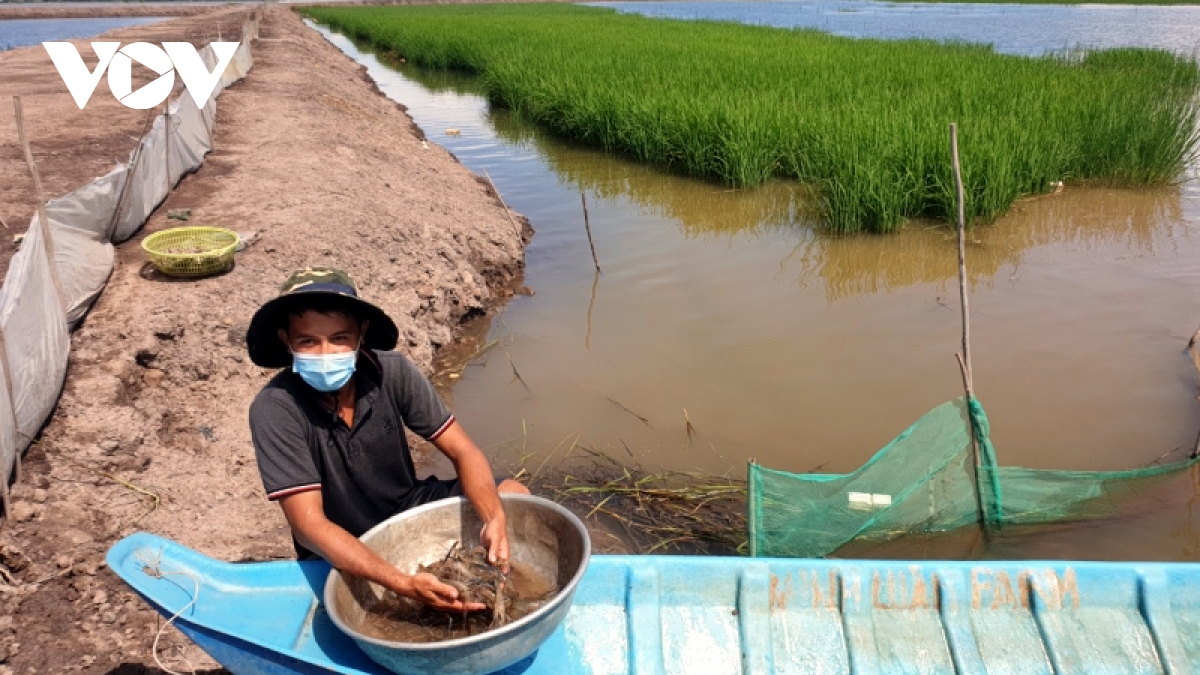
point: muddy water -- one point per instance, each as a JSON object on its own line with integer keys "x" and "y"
{"x": 401, "y": 620}
{"x": 804, "y": 350}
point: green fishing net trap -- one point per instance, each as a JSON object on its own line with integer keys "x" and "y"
{"x": 927, "y": 480}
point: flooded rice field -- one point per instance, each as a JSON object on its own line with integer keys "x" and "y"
{"x": 1013, "y": 29}
{"x": 26, "y": 32}
{"x": 726, "y": 326}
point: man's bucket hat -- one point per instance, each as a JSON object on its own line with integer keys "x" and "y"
{"x": 262, "y": 338}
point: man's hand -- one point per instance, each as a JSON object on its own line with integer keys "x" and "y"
{"x": 479, "y": 487}
{"x": 426, "y": 588}
{"x": 494, "y": 537}
{"x": 305, "y": 513}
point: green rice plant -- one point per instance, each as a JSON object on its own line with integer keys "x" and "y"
{"x": 863, "y": 122}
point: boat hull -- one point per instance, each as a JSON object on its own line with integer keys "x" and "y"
{"x": 675, "y": 615}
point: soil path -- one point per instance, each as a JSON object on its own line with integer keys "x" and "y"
{"x": 325, "y": 170}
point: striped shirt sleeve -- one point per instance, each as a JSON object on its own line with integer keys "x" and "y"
{"x": 424, "y": 412}
{"x": 442, "y": 429}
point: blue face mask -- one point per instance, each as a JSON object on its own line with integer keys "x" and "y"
{"x": 325, "y": 372}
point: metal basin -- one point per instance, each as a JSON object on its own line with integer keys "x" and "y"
{"x": 542, "y": 535}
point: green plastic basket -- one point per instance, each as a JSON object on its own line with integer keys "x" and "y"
{"x": 191, "y": 251}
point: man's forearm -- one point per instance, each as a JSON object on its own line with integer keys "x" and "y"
{"x": 478, "y": 484}
{"x": 349, "y": 555}
{"x": 479, "y": 487}
{"x": 305, "y": 514}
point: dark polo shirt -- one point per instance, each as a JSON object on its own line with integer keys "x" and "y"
{"x": 365, "y": 473}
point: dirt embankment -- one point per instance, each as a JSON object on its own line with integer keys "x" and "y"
{"x": 73, "y": 146}
{"x": 151, "y": 431}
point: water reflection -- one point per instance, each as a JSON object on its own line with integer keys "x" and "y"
{"x": 1084, "y": 218}
{"x": 700, "y": 207}
{"x": 1136, "y": 222}
{"x": 805, "y": 350}
{"x": 435, "y": 81}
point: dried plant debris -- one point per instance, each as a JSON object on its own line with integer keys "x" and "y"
{"x": 663, "y": 512}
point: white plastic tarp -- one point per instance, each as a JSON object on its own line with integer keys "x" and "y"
{"x": 79, "y": 224}
{"x": 189, "y": 138}
{"x": 148, "y": 183}
{"x": 36, "y": 340}
{"x": 238, "y": 66}
{"x": 37, "y": 307}
{"x": 9, "y": 446}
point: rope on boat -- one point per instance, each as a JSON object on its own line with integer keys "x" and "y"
{"x": 153, "y": 569}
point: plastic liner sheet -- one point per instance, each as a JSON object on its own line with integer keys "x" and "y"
{"x": 44, "y": 296}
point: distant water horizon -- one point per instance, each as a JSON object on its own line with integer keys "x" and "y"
{"x": 1029, "y": 30}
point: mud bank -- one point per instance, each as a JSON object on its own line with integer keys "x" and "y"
{"x": 151, "y": 431}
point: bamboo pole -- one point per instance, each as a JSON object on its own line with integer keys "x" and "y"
{"x": 5, "y": 498}
{"x": 39, "y": 195}
{"x": 507, "y": 210}
{"x": 130, "y": 173}
{"x": 965, "y": 359}
{"x": 587, "y": 340}
{"x": 167, "y": 144}
{"x": 1192, "y": 351}
{"x": 964, "y": 356}
{"x": 13, "y": 472}
{"x": 12, "y": 409}
{"x": 588, "y": 226}
{"x": 48, "y": 243}
{"x": 8, "y": 472}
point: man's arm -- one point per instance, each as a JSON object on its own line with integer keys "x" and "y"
{"x": 306, "y": 515}
{"x": 479, "y": 487}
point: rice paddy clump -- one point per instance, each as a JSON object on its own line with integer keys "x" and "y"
{"x": 864, "y": 122}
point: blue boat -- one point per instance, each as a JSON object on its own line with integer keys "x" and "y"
{"x": 689, "y": 615}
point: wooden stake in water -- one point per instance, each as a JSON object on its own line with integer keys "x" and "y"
{"x": 587, "y": 340}
{"x": 587, "y": 225}
{"x": 964, "y": 356}
{"x": 507, "y": 211}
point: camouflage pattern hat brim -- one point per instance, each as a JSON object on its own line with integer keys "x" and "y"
{"x": 262, "y": 338}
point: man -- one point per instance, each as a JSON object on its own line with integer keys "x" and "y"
{"x": 329, "y": 432}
